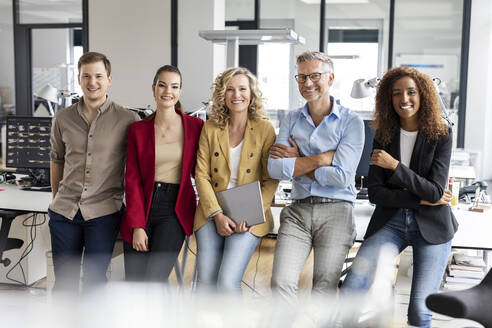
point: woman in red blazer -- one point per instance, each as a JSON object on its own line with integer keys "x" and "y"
{"x": 160, "y": 199}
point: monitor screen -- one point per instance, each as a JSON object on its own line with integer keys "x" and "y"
{"x": 363, "y": 168}
{"x": 28, "y": 142}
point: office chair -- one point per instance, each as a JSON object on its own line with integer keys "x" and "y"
{"x": 472, "y": 303}
{"x": 7, "y": 243}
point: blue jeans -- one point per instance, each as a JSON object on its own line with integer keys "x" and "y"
{"x": 429, "y": 263}
{"x": 222, "y": 261}
{"x": 69, "y": 237}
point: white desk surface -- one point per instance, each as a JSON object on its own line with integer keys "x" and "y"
{"x": 14, "y": 198}
{"x": 474, "y": 231}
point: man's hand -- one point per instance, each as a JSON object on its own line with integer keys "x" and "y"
{"x": 140, "y": 240}
{"x": 283, "y": 151}
{"x": 382, "y": 159}
{"x": 445, "y": 199}
{"x": 326, "y": 158}
{"x": 225, "y": 226}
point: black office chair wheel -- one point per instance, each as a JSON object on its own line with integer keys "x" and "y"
{"x": 6, "y": 262}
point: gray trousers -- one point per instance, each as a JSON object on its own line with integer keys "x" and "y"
{"x": 327, "y": 228}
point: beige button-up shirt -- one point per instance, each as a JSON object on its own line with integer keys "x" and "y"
{"x": 93, "y": 156}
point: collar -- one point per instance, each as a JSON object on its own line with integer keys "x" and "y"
{"x": 335, "y": 109}
{"x": 102, "y": 109}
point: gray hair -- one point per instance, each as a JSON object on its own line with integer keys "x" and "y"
{"x": 315, "y": 55}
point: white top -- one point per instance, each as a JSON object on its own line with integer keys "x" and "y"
{"x": 235, "y": 157}
{"x": 407, "y": 141}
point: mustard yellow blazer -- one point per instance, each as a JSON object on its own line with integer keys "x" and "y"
{"x": 213, "y": 171}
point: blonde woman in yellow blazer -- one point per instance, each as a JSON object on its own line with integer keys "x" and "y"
{"x": 233, "y": 150}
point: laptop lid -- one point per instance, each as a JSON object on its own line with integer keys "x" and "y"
{"x": 243, "y": 203}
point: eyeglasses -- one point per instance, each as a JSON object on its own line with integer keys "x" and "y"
{"x": 314, "y": 77}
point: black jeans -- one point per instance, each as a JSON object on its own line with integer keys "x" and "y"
{"x": 165, "y": 235}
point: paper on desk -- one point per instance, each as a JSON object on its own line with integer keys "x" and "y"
{"x": 462, "y": 171}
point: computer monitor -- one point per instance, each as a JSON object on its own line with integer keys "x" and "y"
{"x": 363, "y": 168}
{"x": 28, "y": 146}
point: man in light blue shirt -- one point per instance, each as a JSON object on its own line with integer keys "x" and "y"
{"x": 318, "y": 147}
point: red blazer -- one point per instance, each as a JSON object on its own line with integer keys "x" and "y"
{"x": 140, "y": 173}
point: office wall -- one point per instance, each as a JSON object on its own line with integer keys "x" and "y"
{"x": 7, "y": 71}
{"x": 136, "y": 36}
{"x": 478, "y": 131}
{"x": 199, "y": 60}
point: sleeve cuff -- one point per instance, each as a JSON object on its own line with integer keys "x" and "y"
{"x": 213, "y": 213}
{"x": 288, "y": 165}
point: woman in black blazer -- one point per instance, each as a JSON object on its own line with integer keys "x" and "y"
{"x": 407, "y": 182}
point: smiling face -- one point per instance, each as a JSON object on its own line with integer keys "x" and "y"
{"x": 406, "y": 99}
{"x": 167, "y": 89}
{"x": 94, "y": 81}
{"x": 238, "y": 94}
{"x": 312, "y": 91}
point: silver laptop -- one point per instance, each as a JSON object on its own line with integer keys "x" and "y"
{"x": 243, "y": 203}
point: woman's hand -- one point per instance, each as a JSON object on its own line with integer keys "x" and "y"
{"x": 242, "y": 227}
{"x": 140, "y": 240}
{"x": 225, "y": 226}
{"x": 445, "y": 199}
{"x": 382, "y": 159}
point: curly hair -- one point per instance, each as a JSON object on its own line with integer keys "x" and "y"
{"x": 386, "y": 123}
{"x": 219, "y": 112}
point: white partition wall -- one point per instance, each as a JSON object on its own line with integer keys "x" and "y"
{"x": 136, "y": 36}
{"x": 199, "y": 60}
{"x": 478, "y": 132}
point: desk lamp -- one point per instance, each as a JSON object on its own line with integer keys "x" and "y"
{"x": 362, "y": 88}
{"x": 50, "y": 94}
{"x": 444, "y": 112}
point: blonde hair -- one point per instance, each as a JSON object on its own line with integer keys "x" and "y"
{"x": 219, "y": 113}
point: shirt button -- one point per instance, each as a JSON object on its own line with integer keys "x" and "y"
{"x": 90, "y": 135}
{"x": 215, "y": 170}
{"x": 85, "y": 189}
{"x": 251, "y": 155}
{"x": 87, "y": 172}
{"x": 216, "y": 154}
{"x": 248, "y": 171}
{"x": 88, "y": 154}
{"x": 216, "y": 184}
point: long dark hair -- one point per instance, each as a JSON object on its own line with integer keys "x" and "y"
{"x": 172, "y": 69}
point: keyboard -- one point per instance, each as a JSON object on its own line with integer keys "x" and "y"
{"x": 34, "y": 188}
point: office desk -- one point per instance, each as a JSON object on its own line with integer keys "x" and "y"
{"x": 13, "y": 198}
{"x": 35, "y": 204}
{"x": 474, "y": 231}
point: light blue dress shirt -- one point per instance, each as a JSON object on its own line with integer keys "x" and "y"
{"x": 342, "y": 131}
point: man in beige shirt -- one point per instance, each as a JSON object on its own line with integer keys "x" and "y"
{"x": 88, "y": 147}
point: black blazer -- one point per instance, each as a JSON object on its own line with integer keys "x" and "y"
{"x": 404, "y": 188}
